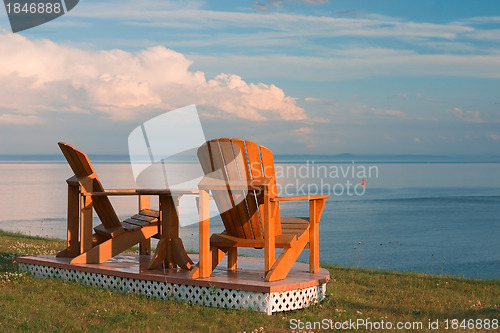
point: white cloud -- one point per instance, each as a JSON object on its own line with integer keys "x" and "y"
{"x": 19, "y": 119}
{"x": 467, "y": 116}
{"x": 387, "y": 137}
{"x": 486, "y": 35}
{"x": 474, "y": 117}
{"x": 317, "y": 69}
{"x": 457, "y": 112}
{"x": 365, "y": 109}
{"x": 194, "y": 17}
{"x": 321, "y": 100}
{"x": 428, "y": 99}
{"x": 306, "y": 135}
{"x": 304, "y": 131}
{"x": 392, "y": 113}
{"x": 313, "y": 44}
{"x": 479, "y": 20}
{"x": 122, "y": 91}
{"x": 260, "y": 6}
{"x": 40, "y": 75}
{"x": 277, "y": 3}
{"x": 494, "y": 136}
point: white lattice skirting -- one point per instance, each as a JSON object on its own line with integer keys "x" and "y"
{"x": 215, "y": 297}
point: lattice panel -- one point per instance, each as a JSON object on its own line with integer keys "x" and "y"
{"x": 208, "y": 296}
{"x": 297, "y": 299}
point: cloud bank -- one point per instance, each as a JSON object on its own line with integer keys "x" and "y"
{"x": 41, "y": 76}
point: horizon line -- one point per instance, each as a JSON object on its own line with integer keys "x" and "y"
{"x": 280, "y": 158}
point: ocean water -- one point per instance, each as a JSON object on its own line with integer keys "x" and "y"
{"x": 440, "y": 218}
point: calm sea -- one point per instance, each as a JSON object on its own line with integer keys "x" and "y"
{"x": 412, "y": 215}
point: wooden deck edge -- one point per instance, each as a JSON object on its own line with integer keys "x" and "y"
{"x": 314, "y": 279}
{"x": 205, "y": 292}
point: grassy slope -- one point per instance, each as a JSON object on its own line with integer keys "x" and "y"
{"x": 32, "y": 304}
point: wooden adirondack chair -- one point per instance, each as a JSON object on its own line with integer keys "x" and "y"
{"x": 241, "y": 177}
{"x": 112, "y": 236}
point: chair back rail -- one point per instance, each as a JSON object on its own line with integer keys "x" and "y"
{"x": 81, "y": 166}
{"x": 236, "y": 159}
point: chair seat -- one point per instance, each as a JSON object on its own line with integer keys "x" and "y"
{"x": 292, "y": 228}
{"x": 294, "y": 225}
{"x": 138, "y": 221}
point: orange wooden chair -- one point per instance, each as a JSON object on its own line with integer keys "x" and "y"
{"x": 112, "y": 237}
{"x": 241, "y": 177}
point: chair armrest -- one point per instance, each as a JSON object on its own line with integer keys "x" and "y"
{"x": 107, "y": 193}
{"x": 122, "y": 192}
{"x": 210, "y": 183}
{"x": 300, "y": 198}
{"x": 77, "y": 181}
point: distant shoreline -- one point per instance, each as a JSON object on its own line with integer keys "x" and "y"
{"x": 283, "y": 159}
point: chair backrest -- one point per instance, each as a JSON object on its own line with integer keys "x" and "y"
{"x": 80, "y": 164}
{"x": 236, "y": 159}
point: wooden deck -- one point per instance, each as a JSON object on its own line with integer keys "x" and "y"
{"x": 244, "y": 288}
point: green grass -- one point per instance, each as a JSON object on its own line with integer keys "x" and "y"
{"x": 32, "y": 304}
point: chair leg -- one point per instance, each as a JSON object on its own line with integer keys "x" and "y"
{"x": 287, "y": 258}
{"x": 269, "y": 231}
{"x": 145, "y": 247}
{"x": 216, "y": 254}
{"x": 73, "y": 244}
{"x": 144, "y": 203}
{"x": 232, "y": 259}
{"x": 315, "y": 210}
{"x": 85, "y": 223}
{"x": 314, "y": 248}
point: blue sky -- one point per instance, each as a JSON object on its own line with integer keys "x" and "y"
{"x": 302, "y": 76}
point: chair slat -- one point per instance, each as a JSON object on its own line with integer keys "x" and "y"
{"x": 73, "y": 159}
{"x": 81, "y": 166}
{"x": 254, "y": 161}
{"x": 250, "y": 199}
{"x": 235, "y": 159}
{"x": 147, "y": 219}
{"x": 140, "y": 222}
{"x": 220, "y": 197}
{"x": 227, "y": 200}
{"x": 84, "y": 160}
{"x": 130, "y": 227}
{"x": 150, "y": 212}
{"x": 268, "y": 167}
{"x": 231, "y": 155}
{"x": 224, "y": 205}
{"x": 255, "y": 165}
{"x": 102, "y": 205}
